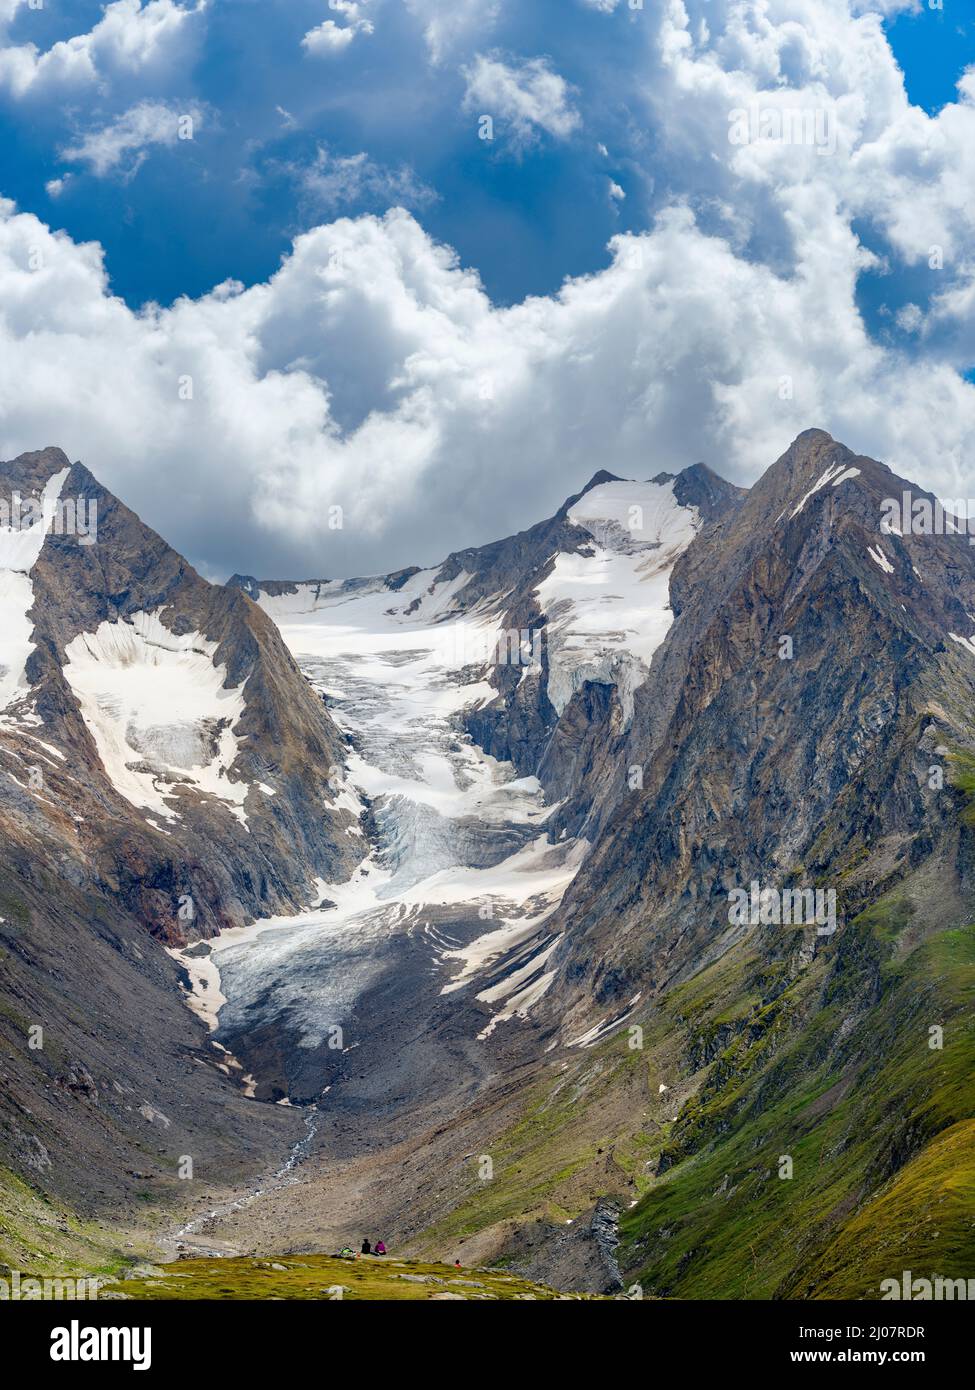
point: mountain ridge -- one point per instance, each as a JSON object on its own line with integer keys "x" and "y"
{"x": 709, "y": 688}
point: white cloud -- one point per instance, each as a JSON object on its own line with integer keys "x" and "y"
{"x": 332, "y": 181}
{"x": 449, "y": 25}
{"x": 527, "y": 94}
{"x": 130, "y": 38}
{"x": 887, "y": 164}
{"x": 123, "y": 143}
{"x": 373, "y": 372}
{"x": 330, "y": 37}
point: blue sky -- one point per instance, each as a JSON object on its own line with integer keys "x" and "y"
{"x": 933, "y": 47}
{"x": 194, "y": 215}
{"x": 610, "y": 280}
{"x": 197, "y": 214}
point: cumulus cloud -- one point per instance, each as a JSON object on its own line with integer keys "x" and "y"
{"x": 123, "y": 144}
{"x": 131, "y": 38}
{"x": 373, "y": 372}
{"x": 330, "y": 37}
{"x": 527, "y": 94}
{"x": 910, "y": 318}
{"x": 823, "y": 105}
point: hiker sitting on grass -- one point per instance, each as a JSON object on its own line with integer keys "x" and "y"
{"x": 366, "y": 1247}
{"x": 380, "y": 1248}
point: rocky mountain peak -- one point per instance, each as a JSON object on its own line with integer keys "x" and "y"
{"x": 714, "y": 497}
{"x": 601, "y": 476}
{"x": 32, "y": 470}
{"x": 145, "y": 712}
{"x": 814, "y": 470}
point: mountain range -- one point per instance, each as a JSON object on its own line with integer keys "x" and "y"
{"x": 596, "y": 904}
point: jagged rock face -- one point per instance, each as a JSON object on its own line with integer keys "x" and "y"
{"x": 159, "y": 742}
{"x": 817, "y": 669}
{"x": 593, "y": 585}
{"x": 580, "y": 1256}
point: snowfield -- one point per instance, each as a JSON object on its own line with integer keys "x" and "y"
{"x": 20, "y": 548}
{"x": 158, "y": 711}
{"x": 609, "y": 608}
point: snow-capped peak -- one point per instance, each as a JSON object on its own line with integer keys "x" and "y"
{"x": 608, "y": 604}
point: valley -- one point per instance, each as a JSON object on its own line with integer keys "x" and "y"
{"x": 422, "y": 906}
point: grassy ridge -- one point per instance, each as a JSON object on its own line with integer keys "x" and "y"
{"x": 922, "y": 1220}
{"x": 827, "y": 1065}
{"x": 849, "y": 1092}
{"x": 321, "y": 1277}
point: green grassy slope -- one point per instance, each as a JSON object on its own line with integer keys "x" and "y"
{"x": 922, "y": 1220}
{"x": 841, "y": 1080}
{"x": 322, "y": 1277}
{"x": 46, "y": 1237}
{"x": 826, "y": 1063}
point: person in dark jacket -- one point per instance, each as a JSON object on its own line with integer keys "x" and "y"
{"x": 366, "y": 1247}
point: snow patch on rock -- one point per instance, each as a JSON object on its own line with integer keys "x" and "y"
{"x": 880, "y": 559}
{"x": 159, "y": 712}
{"x": 967, "y": 642}
{"x": 608, "y": 606}
{"x": 20, "y": 549}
